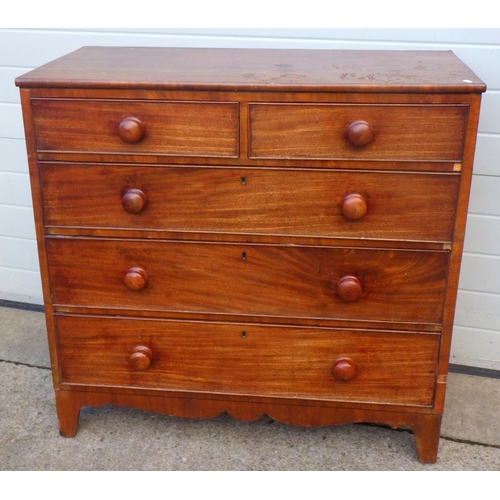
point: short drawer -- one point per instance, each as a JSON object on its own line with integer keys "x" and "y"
{"x": 357, "y": 132}
{"x": 280, "y": 202}
{"x": 255, "y": 360}
{"x": 250, "y": 280}
{"x": 172, "y": 128}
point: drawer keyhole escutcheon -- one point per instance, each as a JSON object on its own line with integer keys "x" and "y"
{"x": 136, "y": 278}
{"x": 344, "y": 369}
{"x": 243, "y": 180}
{"x": 359, "y": 133}
{"x": 349, "y": 288}
{"x": 354, "y": 206}
{"x": 134, "y": 201}
{"x": 243, "y": 335}
{"x": 141, "y": 358}
{"x": 131, "y": 130}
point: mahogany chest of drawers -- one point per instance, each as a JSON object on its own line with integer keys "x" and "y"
{"x": 252, "y": 231}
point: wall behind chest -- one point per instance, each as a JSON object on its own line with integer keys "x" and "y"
{"x": 477, "y": 326}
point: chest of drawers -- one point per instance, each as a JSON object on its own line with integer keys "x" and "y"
{"x": 252, "y": 231}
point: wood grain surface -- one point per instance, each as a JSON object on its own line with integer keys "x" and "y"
{"x": 257, "y": 69}
{"x": 268, "y": 280}
{"x": 249, "y": 359}
{"x": 251, "y": 201}
{"x": 318, "y": 131}
{"x": 171, "y": 128}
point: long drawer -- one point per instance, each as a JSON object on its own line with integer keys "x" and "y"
{"x": 188, "y": 128}
{"x": 253, "y": 201}
{"x": 253, "y": 280}
{"x": 328, "y": 364}
{"x": 350, "y": 131}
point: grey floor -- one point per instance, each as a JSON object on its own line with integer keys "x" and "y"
{"x": 112, "y": 438}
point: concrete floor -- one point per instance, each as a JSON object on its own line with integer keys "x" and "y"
{"x": 113, "y": 438}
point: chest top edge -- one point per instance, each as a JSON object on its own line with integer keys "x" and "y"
{"x": 296, "y": 70}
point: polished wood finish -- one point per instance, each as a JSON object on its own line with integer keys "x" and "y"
{"x": 324, "y": 131}
{"x": 344, "y": 369}
{"x": 252, "y": 231}
{"x": 343, "y": 71}
{"x": 349, "y": 288}
{"x": 141, "y": 358}
{"x": 134, "y": 201}
{"x": 426, "y": 426}
{"x": 215, "y": 278}
{"x": 131, "y": 129}
{"x": 360, "y": 133}
{"x": 135, "y": 279}
{"x": 266, "y": 361}
{"x": 166, "y": 128}
{"x": 296, "y": 203}
{"x": 354, "y": 206}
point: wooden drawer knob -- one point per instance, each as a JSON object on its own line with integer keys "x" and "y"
{"x": 344, "y": 369}
{"x": 134, "y": 201}
{"x": 131, "y": 130}
{"x": 354, "y": 206}
{"x": 349, "y": 288}
{"x": 359, "y": 133}
{"x": 136, "y": 279}
{"x": 141, "y": 358}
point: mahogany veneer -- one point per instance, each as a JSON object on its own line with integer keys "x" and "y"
{"x": 252, "y": 231}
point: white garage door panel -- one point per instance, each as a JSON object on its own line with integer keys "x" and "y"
{"x": 8, "y": 91}
{"x": 13, "y": 156}
{"x": 22, "y": 286}
{"x": 17, "y": 222}
{"x": 15, "y": 189}
{"x": 478, "y": 310}
{"x": 483, "y": 234}
{"x": 487, "y": 158}
{"x": 16, "y": 253}
{"x": 480, "y": 273}
{"x": 484, "y": 196}
{"x": 31, "y": 48}
{"x": 476, "y": 347}
{"x": 488, "y": 117}
{"x": 11, "y": 124}
{"x": 450, "y": 35}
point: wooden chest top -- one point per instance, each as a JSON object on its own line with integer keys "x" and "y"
{"x": 257, "y": 70}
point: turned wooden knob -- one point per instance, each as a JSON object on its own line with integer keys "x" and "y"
{"x": 136, "y": 279}
{"x": 359, "y": 133}
{"x": 134, "y": 201}
{"x": 131, "y": 130}
{"x": 141, "y": 358}
{"x": 344, "y": 369}
{"x": 354, "y": 206}
{"x": 349, "y": 288}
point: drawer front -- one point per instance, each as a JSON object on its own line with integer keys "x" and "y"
{"x": 252, "y": 201}
{"x": 357, "y": 132}
{"x": 142, "y": 127}
{"x": 249, "y": 359}
{"x": 255, "y": 280}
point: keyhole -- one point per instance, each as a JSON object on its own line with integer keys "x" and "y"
{"x": 243, "y": 180}
{"x": 243, "y": 335}
{"x": 243, "y": 256}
